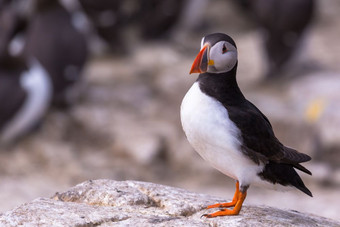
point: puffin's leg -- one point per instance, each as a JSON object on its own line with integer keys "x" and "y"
{"x": 236, "y": 210}
{"x": 230, "y": 204}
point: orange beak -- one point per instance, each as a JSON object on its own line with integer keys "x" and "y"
{"x": 200, "y": 64}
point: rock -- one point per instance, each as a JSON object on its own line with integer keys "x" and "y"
{"x": 132, "y": 203}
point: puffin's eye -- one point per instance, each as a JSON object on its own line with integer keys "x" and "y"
{"x": 224, "y": 49}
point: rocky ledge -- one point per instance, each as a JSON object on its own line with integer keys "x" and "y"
{"x": 133, "y": 203}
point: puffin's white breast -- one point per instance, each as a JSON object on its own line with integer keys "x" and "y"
{"x": 215, "y": 137}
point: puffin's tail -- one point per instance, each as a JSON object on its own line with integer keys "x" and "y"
{"x": 301, "y": 168}
{"x": 293, "y": 157}
{"x": 285, "y": 174}
{"x": 298, "y": 183}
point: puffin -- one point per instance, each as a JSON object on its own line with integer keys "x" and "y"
{"x": 230, "y": 132}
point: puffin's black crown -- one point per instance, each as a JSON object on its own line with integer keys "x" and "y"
{"x": 217, "y": 37}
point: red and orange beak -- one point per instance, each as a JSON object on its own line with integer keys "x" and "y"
{"x": 200, "y": 64}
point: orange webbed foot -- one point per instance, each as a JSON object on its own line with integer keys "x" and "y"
{"x": 237, "y": 202}
{"x": 230, "y": 204}
{"x": 223, "y": 212}
{"x": 222, "y": 205}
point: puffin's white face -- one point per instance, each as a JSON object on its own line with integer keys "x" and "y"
{"x": 219, "y": 58}
{"x": 222, "y": 57}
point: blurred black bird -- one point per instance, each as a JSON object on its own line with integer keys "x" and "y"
{"x": 230, "y": 132}
{"x": 283, "y": 24}
{"x": 11, "y": 23}
{"x": 152, "y": 19}
{"x": 25, "y": 86}
{"x": 156, "y": 18}
{"x": 59, "y": 46}
{"x": 25, "y": 95}
{"x": 108, "y": 19}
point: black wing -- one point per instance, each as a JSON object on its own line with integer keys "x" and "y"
{"x": 259, "y": 141}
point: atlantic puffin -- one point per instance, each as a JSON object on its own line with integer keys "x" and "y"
{"x": 230, "y": 132}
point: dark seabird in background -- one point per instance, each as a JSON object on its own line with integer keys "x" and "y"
{"x": 25, "y": 96}
{"x": 283, "y": 25}
{"x": 60, "y": 48}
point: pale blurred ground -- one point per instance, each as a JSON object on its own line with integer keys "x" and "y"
{"x": 127, "y": 125}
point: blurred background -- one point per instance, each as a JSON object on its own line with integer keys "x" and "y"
{"x": 92, "y": 89}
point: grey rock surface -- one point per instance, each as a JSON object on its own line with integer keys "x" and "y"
{"x": 133, "y": 203}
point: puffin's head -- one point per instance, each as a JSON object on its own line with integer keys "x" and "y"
{"x": 218, "y": 54}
